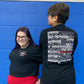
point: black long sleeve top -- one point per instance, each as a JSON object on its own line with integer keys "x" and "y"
{"x": 25, "y": 62}
{"x": 58, "y": 45}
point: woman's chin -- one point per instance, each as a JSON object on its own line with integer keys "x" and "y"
{"x": 21, "y": 45}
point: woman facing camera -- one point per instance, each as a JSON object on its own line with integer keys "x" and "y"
{"x": 25, "y": 59}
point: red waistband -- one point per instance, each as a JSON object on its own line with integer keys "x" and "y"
{"x": 28, "y": 77}
{"x": 22, "y": 79}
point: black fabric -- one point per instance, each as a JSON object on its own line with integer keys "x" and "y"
{"x": 58, "y": 45}
{"x": 25, "y": 62}
{"x": 61, "y": 74}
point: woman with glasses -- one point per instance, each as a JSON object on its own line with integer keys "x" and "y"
{"x": 25, "y": 59}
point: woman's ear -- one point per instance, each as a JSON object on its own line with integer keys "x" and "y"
{"x": 55, "y": 18}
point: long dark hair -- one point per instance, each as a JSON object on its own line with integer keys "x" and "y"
{"x": 26, "y": 30}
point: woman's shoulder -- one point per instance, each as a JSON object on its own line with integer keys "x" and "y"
{"x": 33, "y": 49}
{"x": 14, "y": 50}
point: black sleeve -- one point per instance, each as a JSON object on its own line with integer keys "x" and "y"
{"x": 40, "y": 41}
{"x": 75, "y": 40}
{"x": 35, "y": 55}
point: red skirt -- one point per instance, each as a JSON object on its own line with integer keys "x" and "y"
{"x": 22, "y": 80}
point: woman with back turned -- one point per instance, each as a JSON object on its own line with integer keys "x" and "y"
{"x": 58, "y": 44}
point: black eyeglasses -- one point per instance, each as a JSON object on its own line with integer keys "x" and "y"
{"x": 50, "y": 14}
{"x": 21, "y": 36}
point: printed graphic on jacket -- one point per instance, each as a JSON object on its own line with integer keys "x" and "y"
{"x": 22, "y": 53}
{"x": 60, "y": 46}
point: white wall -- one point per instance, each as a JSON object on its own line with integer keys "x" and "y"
{"x": 48, "y": 0}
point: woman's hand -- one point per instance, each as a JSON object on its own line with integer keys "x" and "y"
{"x": 38, "y": 82}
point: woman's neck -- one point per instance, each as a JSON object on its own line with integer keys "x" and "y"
{"x": 23, "y": 47}
{"x": 56, "y": 24}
